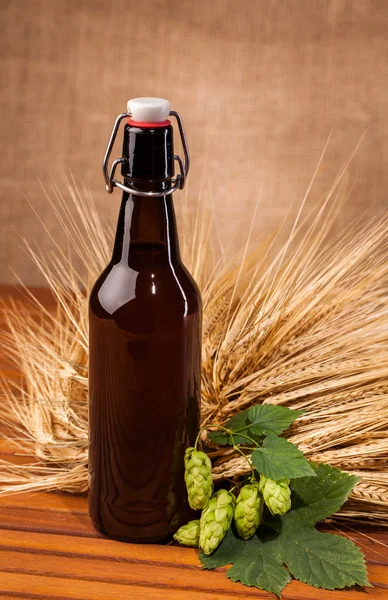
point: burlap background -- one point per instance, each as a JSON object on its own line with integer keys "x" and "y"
{"x": 260, "y": 84}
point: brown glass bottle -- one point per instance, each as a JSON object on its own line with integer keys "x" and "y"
{"x": 145, "y": 349}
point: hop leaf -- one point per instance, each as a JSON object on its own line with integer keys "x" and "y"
{"x": 323, "y": 560}
{"x": 256, "y": 422}
{"x": 198, "y": 478}
{"x": 215, "y": 520}
{"x": 249, "y": 510}
{"x": 277, "y": 459}
{"x": 254, "y": 563}
{"x": 276, "y": 494}
{"x": 188, "y": 535}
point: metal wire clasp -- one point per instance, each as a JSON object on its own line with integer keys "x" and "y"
{"x": 177, "y": 183}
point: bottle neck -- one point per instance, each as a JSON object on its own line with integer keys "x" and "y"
{"x": 146, "y": 234}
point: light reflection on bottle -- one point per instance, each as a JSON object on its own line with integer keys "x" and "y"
{"x": 170, "y": 261}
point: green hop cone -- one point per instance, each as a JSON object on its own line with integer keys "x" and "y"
{"x": 188, "y": 535}
{"x": 249, "y": 510}
{"x": 198, "y": 478}
{"x": 215, "y": 520}
{"x": 276, "y": 494}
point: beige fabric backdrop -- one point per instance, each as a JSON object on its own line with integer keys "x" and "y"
{"x": 260, "y": 85}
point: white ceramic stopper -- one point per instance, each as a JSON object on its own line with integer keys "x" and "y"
{"x": 149, "y": 110}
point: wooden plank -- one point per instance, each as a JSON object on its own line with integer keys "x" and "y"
{"x": 370, "y": 542}
{"x": 26, "y": 585}
{"x": 29, "y": 586}
{"x": 156, "y": 575}
{"x": 17, "y": 457}
{"x": 7, "y": 446}
{"x": 130, "y": 571}
{"x": 67, "y": 515}
{"x": 362, "y": 535}
{"x": 105, "y": 561}
{"x": 24, "y": 518}
{"x": 16, "y": 292}
{"x": 8, "y": 370}
{"x": 99, "y": 548}
{"x": 105, "y": 548}
{"x": 47, "y": 501}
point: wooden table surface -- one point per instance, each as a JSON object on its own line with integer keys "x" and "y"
{"x": 49, "y": 550}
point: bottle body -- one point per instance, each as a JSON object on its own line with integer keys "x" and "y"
{"x": 144, "y": 377}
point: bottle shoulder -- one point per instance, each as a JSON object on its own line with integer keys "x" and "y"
{"x": 165, "y": 289}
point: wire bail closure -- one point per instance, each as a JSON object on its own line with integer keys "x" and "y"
{"x": 177, "y": 184}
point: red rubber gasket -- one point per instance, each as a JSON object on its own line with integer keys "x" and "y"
{"x": 148, "y": 124}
